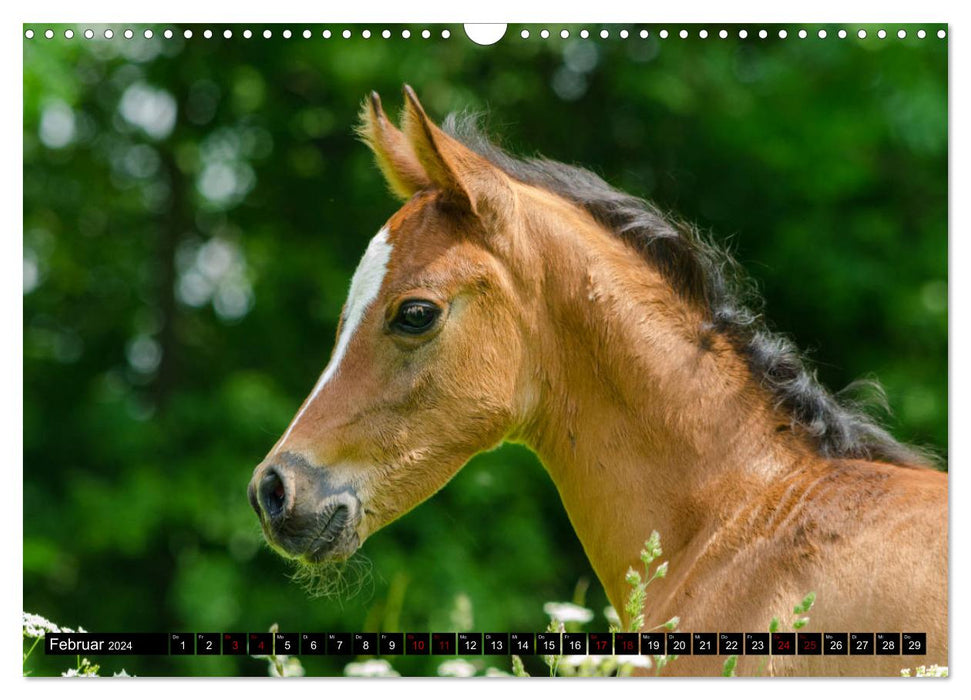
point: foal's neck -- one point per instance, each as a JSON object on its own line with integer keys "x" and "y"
{"x": 645, "y": 420}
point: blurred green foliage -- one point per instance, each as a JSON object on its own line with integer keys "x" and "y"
{"x": 193, "y": 211}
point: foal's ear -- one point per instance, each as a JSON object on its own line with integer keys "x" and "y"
{"x": 451, "y": 166}
{"x": 394, "y": 155}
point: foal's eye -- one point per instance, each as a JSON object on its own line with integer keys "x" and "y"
{"x": 415, "y": 317}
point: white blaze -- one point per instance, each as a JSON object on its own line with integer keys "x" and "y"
{"x": 365, "y": 286}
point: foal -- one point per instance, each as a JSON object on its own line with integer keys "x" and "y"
{"x": 527, "y": 301}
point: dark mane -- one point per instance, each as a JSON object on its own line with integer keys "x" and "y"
{"x": 706, "y": 274}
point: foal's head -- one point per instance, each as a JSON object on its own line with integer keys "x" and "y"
{"x": 430, "y": 364}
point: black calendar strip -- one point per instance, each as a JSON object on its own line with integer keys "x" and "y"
{"x": 354, "y": 644}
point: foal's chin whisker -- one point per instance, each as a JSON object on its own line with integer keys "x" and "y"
{"x": 336, "y": 580}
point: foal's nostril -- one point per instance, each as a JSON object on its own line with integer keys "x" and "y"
{"x": 273, "y": 494}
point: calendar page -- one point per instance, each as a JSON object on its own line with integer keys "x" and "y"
{"x": 485, "y": 350}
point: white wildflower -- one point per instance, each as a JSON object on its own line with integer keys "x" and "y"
{"x": 85, "y": 670}
{"x": 568, "y": 612}
{"x": 635, "y": 661}
{"x": 496, "y": 673}
{"x": 588, "y": 665}
{"x": 36, "y": 626}
{"x": 612, "y": 616}
{"x": 122, "y": 674}
{"x": 573, "y": 660}
{"x": 373, "y": 668}
{"x": 456, "y": 668}
{"x": 577, "y": 660}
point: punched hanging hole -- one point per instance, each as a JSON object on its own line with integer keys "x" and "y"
{"x": 485, "y": 34}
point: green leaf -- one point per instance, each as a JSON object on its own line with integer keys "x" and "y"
{"x": 728, "y": 670}
{"x": 517, "y": 667}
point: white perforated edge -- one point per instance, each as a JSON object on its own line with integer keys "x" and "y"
{"x": 526, "y": 33}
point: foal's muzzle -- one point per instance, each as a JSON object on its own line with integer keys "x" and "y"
{"x": 303, "y": 513}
